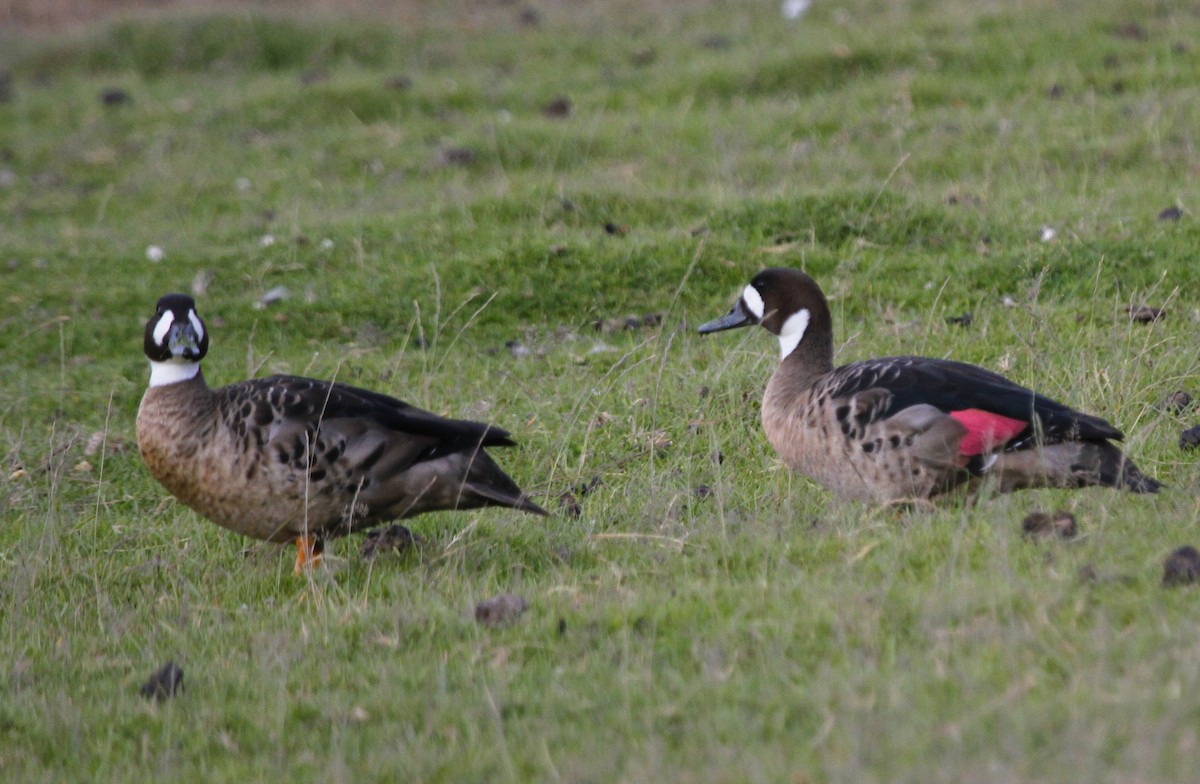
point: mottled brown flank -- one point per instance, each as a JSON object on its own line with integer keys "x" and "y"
{"x": 262, "y": 459}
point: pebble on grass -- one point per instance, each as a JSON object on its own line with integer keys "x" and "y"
{"x": 616, "y": 229}
{"x": 500, "y": 609}
{"x": 164, "y": 683}
{"x": 559, "y": 108}
{"x": 1176, "y": 402}
{"x": 458, "y": 156}
{"x": 569, "y": 503}
{"x": 1144, "y": 314}
{"x": 1190, "y": 438}
{"x": 1171, "y": 213}
{"x": 962, "y": 321}
{"x": 1182, "y": 567}
{"x": 114, "y": 96}
{"x": 1043, "y": 524}
{"x": 395, "y": 538}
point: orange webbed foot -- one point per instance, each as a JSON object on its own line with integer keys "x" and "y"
{"x": 309, "y": 552}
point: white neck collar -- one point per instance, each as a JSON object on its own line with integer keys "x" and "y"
{"x": 172, "y": 372}
{"x": 793, "y": 332}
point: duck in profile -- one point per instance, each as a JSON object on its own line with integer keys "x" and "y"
{"x": 286, "y": 458}
{"x": 900, "y": 429}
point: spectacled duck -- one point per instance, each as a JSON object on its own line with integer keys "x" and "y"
{"x": 907, "y": 428}
{"x": 286, "y": 458}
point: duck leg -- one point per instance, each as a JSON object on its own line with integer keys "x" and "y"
{"x": 309, "y": 551}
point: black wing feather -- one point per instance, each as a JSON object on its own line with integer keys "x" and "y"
{"x": 954, "y": 386}
{"x": 331, "y": 400}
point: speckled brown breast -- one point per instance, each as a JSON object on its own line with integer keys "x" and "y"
{"x": 187, "y": 448}
{"x": 840, "y": 443}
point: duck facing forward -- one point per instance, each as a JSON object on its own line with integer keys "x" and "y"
{"x": 905, "y": 428}
{"x": 286, "y": 458}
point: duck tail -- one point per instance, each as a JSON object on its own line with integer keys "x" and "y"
{"x": 486, "y": 484}
{"x": 1071, "y": 464}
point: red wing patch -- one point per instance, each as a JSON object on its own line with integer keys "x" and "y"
{"x": 985, "y": 430}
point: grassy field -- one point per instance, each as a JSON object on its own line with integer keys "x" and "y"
{"x": 454, "y": 196}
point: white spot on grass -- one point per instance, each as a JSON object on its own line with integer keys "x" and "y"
{"x": 793, "y": 332}
{"x": 243, "y": 184}
{"x": 794, "y": 9}
{"x": 1048, "y": 233}
{"x": 276, "y": 294}
{"x": 155, "y": 253}
{"x": 267, "y": 240}
{"x": 326, "y": 244}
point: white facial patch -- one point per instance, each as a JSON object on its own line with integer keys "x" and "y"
{"x": 793, "y": 331}
{"x": 196, "y": 325}
{"x": 172, "y": 372}
{"x": 754, "y": 302}
{"x": 163, "y": 327}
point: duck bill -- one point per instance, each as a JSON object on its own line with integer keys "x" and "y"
{"x": 182, "y": 342}
{"x": 737, "y": 317}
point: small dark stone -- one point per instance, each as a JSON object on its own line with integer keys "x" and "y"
{"x": 652, "y": 319}
{"x": 114, "y": 96}
{"x": 1177, "y": 402}
{"x": 716, "y": 42}
{"x": 1037, "y": 524}
{"x": 164, "y": 683}
{"x": 395, "y": 538}
{"x": 1144, "y": 314}
{"x": 1132, "y": 31}
{"x": 569, "y": 503}
{"x": 420, "y": 342}
{"x": 558, "y": 109}
{"x": 1182, "y": 567}
{"x": 643, "y": 57}
{"x": 562, "y": 627}
{"x": 1064, "y": 525}
{"x": 702, "y": 491}
{"x": 1042, "y": 524}
{"x": 1170, "y": 214}
{"x": 1056, "y": 91}
{"x": 529, "y": 17}
{"x": 963, "y": 321}
{"x": 458, "y": 156}
{"x": 1190, "y": 438}
{"x": 616, "y": 229}
{"x": 632, "y": 322}
{"x": 399, "y": 82}
{"x": 501, "y": 609}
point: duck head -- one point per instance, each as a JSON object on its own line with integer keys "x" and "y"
{"x": 785, "y": 302}
{"x": 176, "y": 340}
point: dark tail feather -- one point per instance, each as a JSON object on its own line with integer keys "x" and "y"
{"x": 1135, "y": 481}
{"x": 490, "y": 486}
{"x": 1071, "y": 464}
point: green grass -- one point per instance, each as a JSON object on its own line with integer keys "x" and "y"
{"x": 907, "y": 157}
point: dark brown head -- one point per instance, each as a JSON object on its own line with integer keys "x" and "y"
{"x": 176, "y": 340}
{"x": 787, "y": 303}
